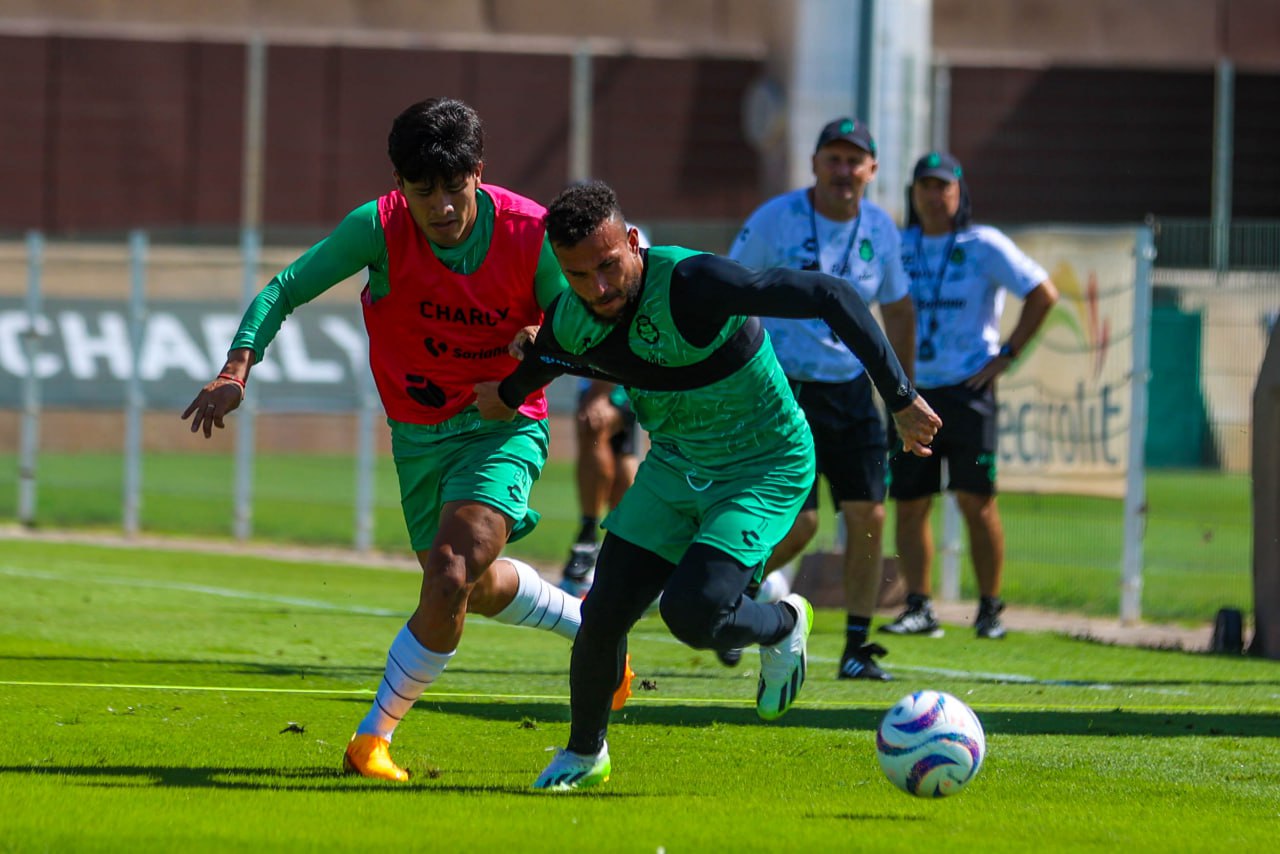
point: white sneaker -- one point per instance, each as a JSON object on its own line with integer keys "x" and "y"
{"x": 570, "y": 771}
{"x": 783, "y": 665}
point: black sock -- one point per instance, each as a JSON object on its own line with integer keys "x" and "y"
{"x": 990, "y": 604}
{"x": 590, "y": 527}
{"x": 855, "y": 632}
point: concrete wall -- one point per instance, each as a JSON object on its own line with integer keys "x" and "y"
{"x": 1123, "y": 33}
{"x": 727, "y": 26}
{"x": 1163, "y": 33}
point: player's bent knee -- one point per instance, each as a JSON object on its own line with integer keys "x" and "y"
{"x": 447, "y": 585}
{"x": 692, "y": 620}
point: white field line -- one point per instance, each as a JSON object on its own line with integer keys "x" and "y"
{"x": 298, "y": 602}
{"x": 459, "y": 696}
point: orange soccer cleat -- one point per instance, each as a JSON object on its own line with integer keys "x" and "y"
{"x": 624, "y": 689}
{"x": 370, "y": 756}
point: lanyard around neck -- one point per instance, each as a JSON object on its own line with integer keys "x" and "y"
{"x": 934, "y": 282}
{"x": 843, "y": 270}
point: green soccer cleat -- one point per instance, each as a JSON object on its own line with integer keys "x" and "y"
{"x": 571, "y": 771}
{"x": 783, "y": 664}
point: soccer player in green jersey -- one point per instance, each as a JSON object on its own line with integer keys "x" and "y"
{"x": 731, "y": 457}
{"x": 456, "y": 268}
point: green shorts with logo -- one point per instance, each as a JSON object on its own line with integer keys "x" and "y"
{"x": 468, "y": 459}
{"x": 745, "y": 513}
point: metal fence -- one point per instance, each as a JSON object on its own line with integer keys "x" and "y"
{"x": 129, "y": 326}
{"x": 1197, "y": 244}
{"x": 1215, "y": 314}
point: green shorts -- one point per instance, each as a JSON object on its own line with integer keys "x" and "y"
{"x": 468, "y": 459}
{"x": 745, "y": 515}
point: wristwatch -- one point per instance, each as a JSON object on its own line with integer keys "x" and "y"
{"x": 1007, "y": 351}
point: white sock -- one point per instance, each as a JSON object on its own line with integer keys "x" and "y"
{"x": 411, "y": 667}
{"x": 541, "y": 605}
{"x": 775, "y": 586}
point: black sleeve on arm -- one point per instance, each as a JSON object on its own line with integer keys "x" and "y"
{"x": 707, "y": 290}
{"x": 532, "y": 373}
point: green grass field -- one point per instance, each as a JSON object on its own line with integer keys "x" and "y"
{"x": 181, "y": 701}
{"x": 1063, "y": 552}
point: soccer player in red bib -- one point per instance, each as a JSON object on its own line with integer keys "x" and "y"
{"x": 456, "y": 268}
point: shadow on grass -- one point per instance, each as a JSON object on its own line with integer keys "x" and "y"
{"x": 368, "y": 673}
{"x": 703, "y": 670}
{"x": 264, "y": 779}
{"x": 1115, "y": 722}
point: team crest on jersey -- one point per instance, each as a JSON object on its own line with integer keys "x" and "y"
{"x": 646, "y": 330}
{"x": 957, "y": 256}
{"x": 865, "y": 250}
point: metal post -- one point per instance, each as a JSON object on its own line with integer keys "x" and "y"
{"x": 251, "y": 252}
{"x": 1135, "y": 493}
{"x": 29, "y": 439}
{"x": 580, "y": 95}
{"x": 366, "y": 457}
{"x": 134, "y": 402}
{"x": 865, "y": 71}
{"x": 949, "y": 584}
{"x": 940, "y": 131}
{"x": 1223, "y": 149}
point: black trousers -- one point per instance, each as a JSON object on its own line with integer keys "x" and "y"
{"x": 702, "y": 604}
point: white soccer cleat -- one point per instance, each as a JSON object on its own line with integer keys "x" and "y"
{"x": 571, "y": 771}
{"x": 783, "y": 664}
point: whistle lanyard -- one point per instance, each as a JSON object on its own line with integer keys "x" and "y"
{"x": 843, "y": 270}
{"x": 934, "y": 282}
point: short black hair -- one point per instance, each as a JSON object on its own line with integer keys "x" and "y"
{"x": 436, "y": 140}
{"x": 579, "y": 210}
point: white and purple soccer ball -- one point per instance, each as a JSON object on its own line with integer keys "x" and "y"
{"x": 930, "y": 744}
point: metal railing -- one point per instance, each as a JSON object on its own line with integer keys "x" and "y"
{"x": 1186, "y": 243}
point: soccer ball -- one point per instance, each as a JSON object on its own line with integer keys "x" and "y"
{"x": 930, "y": 744}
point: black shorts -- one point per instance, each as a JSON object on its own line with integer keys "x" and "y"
{"x": 625, "y": 440}
{"x": 967, "y": 441}
{"x": 849, "y": 439}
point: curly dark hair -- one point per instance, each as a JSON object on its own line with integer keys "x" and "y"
{"x": 579, "y": 210}
{"x": 436, "y": 140}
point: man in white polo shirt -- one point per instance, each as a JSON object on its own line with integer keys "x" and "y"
{"x": 959, "y": 275}
{"x": 831, "y": 227}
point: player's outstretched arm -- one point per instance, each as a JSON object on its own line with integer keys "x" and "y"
{"x": 712, "y": 289}
{"x": 222, "y": 395}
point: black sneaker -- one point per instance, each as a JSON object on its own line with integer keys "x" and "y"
{"x": 988, "y": 623}
{"x": 917, "y": 619}
{"x": 860, "y": 663}
{"x": 580, "y": 571}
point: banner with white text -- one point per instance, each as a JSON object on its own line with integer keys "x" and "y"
{"x": 82, "y": 357}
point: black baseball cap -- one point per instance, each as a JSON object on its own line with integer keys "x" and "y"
{"x": 849, "y": 130}
{"x": 937, "y": 164}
